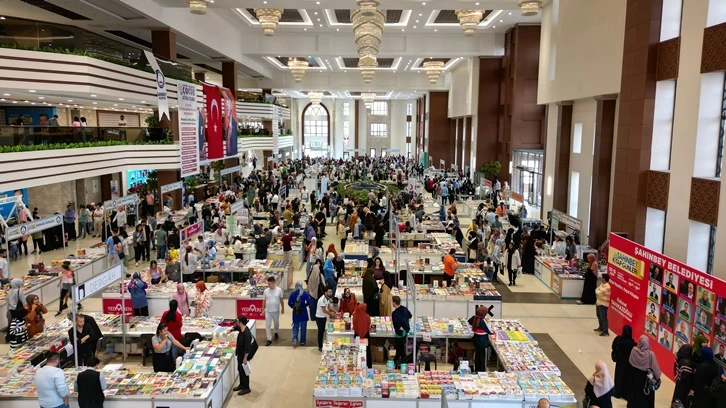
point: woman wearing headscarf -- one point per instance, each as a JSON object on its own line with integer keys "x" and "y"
{"x": 316, "y": 282}
{"x": 182, "y": 299}
{"x": 15, "y": 297}
{"x": 370, "y": 290}
{"x": 299, "y": 301}
{"x": 331, "y": 249}
{"x": 699, "y": 340}
{"x": 361, "y": 328}
{"x": 706, "y": 371}
{"x": 137, "y": 291}
{"x": 34, "y": 318}
{"x": 202, "y": 300}
{"x": 528, "y": 254}
{"x": 642, "y": 359}
{"x": 588, "y": 288}
{"x": 599, "y": 388}
{"x": 329, "y": 272}
{"x": 348, "y": 302}
{"x": 621, "y": 348}
{"x": 684, "y": 368}
{"x": 481, "y": 338}
{"x": 386, "y": 307}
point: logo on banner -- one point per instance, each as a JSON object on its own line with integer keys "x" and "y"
{"x": 23, "y": 230}
{"x": 114, "y": 306}
{"x": 160, "y": 79}
{"x": 626, "y": 262}
{"x": 250, "y": 308}
{"x": 214, "y": 118}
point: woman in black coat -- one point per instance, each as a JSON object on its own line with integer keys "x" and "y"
{"x": 684, "y": 368}
{"x": 621, "y": 348}
{"x": 599, "y": 388}
{"x": 528, "y": 254}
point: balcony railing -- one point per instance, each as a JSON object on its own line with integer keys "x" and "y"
{"x": 33, "y": 138}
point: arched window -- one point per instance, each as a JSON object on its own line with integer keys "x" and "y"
{"x": 316, "y": 130}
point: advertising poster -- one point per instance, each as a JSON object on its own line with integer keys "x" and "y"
{"x": 215, "y": 131}
{"x": 666, "y": 300}
{"x": 188, "y": 125}
{"x": 6, "y": 209}
{"x": 230, "y": 122}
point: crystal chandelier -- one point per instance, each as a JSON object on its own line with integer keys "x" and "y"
{"x": 268, "y": 19}
{"x": 469, "y": 20}
{"x": 368, "y": 7}
{"x": 368, "y": 31}
{"x": 529, "y": 7}
{"x": 298, "y": 68}
{"x": 368, "y": 65}
{"x": 315, "y": 97}
{"x": 368, "y": 98}
{"x": 198, "y": 7}
{"x": 433, "y": 70}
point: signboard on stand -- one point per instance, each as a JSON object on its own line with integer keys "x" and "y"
{"x": 668, "y": 301}
{"x": 97, "y": 283}
{"x": 128, "y": 199}
{"x": 250, "y": 308}
{"x": 237, "y": 206}
{"x": 34, "y": 226}
{"x": 188, "y": 128}
{"x": 192, "y": 230}
{"x": 171, "y": 187}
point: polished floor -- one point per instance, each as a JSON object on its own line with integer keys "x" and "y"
{"x": 284, "y": 376}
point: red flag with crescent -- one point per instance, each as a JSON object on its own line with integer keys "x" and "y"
{"x": 215, "y": 130}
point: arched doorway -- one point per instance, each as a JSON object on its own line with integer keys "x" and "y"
{"x": 316, "y": 130}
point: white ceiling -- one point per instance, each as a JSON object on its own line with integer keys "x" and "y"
{"x": 228, "y": 31}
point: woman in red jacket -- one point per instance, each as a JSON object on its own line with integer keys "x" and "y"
{"x": 173, "y": 321}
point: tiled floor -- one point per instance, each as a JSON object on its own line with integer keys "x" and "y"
{"x": 283, "y": 376}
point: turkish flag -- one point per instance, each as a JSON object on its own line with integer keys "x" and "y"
{"x": 215, "y": 131}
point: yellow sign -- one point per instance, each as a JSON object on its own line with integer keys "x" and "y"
{"x": 625, "y": 262}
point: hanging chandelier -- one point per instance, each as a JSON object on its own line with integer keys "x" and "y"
{"x": 368, "y": 98}
{"x": 433, "y": 70}
{"x": 367, "y": 65}
{"x": 529, "y": 8}
{"x": 368, "y": 31}
{"x": 368, "y": 7}
{"x": 268, "y": 19}
{"x": 198, "y": 7}
{"x": 298, "y": 68}
{"x": 469, "y": 20}
{"x": 315, "y": 97}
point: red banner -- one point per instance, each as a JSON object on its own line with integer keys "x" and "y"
{"x": 113, "y": 306}
{"x": 250, "y": 308}
{"x": 215, "y": 130}
{"x": 665, "y": 299}
{"x": 338, "y": 404}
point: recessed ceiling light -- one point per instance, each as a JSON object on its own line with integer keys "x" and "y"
{"x": 403, "y": 29}
{"x": 477, "y": 3}
{"x": 120, "y": 99}
{"x": 95, "y": 103}
{"x": 337, "y": 29}
{"x": 501, "y": 21}
{"x": 318, "y": 19}
{"x": 494, "y": 26}
{"x": 6, "y": 94}
{"x": 2, "y": 17}
{"x": 420, "y": 14}
{"x": 27, "y": 101}
{"x": 70, "y": 100}
{"x": 414, "y": 26}
{"x": 115, "y": 104}
{"x": 93, "y": 95}
{"x": 417, "y": 21}
{"x": 305, "y": 29}
{"x": 321, "y": 25}
{"x": 143, "y": 101}
{"x": 316, "y": 13}
{"x": 317, "y": 2}
{"x": 423, "y": 3}
{"x": 133, "y": 106}
{"x": 15, "y": 101}
{"x": 41, "y": 97}
{"x": 436, "y": 29}
{"x": 2, "y": 99}
{"x": 510, "y": 13}
{"x": 31, "y": 90}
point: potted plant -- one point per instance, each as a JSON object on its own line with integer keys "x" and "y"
{"x": 218, "y": 166}
{"x": 491, "y": 169}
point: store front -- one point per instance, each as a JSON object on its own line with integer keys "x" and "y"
{"x": 527, "y": 167}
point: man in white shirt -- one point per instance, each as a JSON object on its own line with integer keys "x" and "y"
{"x": 50, "y": 383}
{"x": 272, "y": 305}
{"x": 322, "y": 312}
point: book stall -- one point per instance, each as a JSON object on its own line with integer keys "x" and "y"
{"x": 345, "y": 380}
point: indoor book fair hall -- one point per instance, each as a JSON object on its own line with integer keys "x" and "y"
{"x": 316, "y": 212}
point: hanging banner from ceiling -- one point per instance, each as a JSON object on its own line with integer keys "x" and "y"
{"x": 215, "y": 130}
{"x": 230, "y": 122}
{"x": 160, "y": 85}
{"x": 666, "y": 300}
{"x": 188, "y": 118}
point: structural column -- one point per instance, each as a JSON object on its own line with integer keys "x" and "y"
{"x": 635, "y": 118}
{"x": 440, "y": 132}
{"x": 229, "y": 76}
{"x": 488, "y": 125}
{"x": 163, "y": 44}
{"x": 601, "y": 169}
{"x": 561, "y": 182}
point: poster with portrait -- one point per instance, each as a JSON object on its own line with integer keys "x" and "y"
{"x": 665, "y": 299}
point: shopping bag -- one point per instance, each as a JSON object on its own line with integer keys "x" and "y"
{"x": 246, "y": 367}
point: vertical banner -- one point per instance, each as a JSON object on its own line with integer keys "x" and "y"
{"x": 666, "y": 300}
{"x": 188, "y": 127}
{"x": 160, "y": 85}
{"x": 230, "y": 122}
{"x": 200, "y": 134}
{"x": 275, "y": 130}
{"x": 215, "y": 145}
